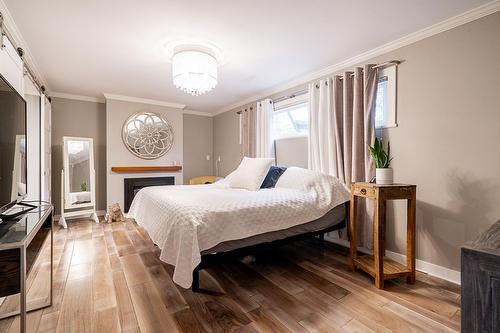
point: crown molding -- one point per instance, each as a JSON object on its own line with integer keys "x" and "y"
{"x": 15, "y": 33}
{"x": 448, "y": 24}
{"x": 77, "y": 97}
{"x": 198, "y": 113}
{"x": 144, "y": 101}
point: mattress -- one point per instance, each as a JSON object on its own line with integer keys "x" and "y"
{"x": 185, "y": 220}
{"x": 334, "y": 217}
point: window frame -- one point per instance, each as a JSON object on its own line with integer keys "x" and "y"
{"x": 391, "y": 74}
{"x": 289, "y": 103}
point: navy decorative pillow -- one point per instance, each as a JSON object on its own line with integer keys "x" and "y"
{"x": 272, "y": 176}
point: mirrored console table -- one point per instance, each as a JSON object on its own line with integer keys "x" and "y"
{"x": 21, "y": 241}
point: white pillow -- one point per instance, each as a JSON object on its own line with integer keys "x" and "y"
{"x": 250, "y": 173}
{"x": 328, "y": 191}
{"x": 306, "y": 180}
{"x": 299, "y": 179}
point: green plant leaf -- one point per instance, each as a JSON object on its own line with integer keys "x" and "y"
{"x": 381, "y": 157}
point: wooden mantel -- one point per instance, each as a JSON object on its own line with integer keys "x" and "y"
{"x": 173, "y": 168}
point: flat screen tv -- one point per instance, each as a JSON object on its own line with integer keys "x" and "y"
{"x": 13, "y": 169}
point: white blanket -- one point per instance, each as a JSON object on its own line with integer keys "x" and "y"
{"x": 184, "y": 220}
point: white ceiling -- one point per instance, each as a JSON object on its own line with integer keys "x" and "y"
{"x": 116, "y": 46}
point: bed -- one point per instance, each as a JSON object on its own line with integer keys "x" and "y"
{"x": 196, "y": 226}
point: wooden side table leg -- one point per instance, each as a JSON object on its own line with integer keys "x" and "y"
{"x": 353, "y": 229}
{"x": 379, "y": 242}
{"x": 410, "y": 237}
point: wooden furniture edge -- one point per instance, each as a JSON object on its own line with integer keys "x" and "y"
{"x": 374, "y": 265}
{"x": 392, "y": 268}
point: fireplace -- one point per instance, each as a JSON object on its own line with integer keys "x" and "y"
{"x": 133, "y": 185}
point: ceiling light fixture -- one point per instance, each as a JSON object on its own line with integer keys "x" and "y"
{"x": 194, "y": 67}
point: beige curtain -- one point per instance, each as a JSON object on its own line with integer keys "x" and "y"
{"x": 342, "y": 125}
{"x": 248, "y": 124}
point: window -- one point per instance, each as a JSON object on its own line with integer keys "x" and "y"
{"x": 381, "y": 108}
{"x": 385, "y": 111}
{"x": 291, "y": 117}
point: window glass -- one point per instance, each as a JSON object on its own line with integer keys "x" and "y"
{"x": 385, "y": 111}
{"x": 291, "y": 121}
{"x": 381, "y": 102}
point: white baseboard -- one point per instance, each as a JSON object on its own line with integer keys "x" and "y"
{"x": 429, "y": 268}
{"x": 422, "y": 266}
{"x": 98, "y": 212}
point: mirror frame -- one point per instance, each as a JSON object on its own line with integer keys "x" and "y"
{"x": 67, "y": 203}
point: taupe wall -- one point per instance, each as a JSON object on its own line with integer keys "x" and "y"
{"x": 226, "y": 142}
{"x": 82, "y": 119}
{"x": 198, "y": 143}
{"x": 446, "y": 141}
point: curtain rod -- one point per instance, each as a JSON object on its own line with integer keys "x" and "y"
{"x": 295, "y": 94}
{"x": 27, "y": 70}
{"x": 382, "y": 65}
{"x": 388, "y": 63}
{"x": 246, "y": 109}
{"x": 305, "y": 91}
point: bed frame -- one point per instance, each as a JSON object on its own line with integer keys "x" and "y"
{"x": 212, "y": 259}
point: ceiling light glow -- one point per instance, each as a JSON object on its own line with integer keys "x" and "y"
{"x": 194, "y": 71}
{"x": 194, "y": 65}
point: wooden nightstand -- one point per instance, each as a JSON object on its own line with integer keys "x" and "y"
{"x": 378, "y": 266}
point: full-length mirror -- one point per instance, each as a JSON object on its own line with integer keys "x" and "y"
{"x": 78, "y": 177}
{"x": 78, "y": 171}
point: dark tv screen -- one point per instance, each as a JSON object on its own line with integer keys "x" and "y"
{"x": 13, "y": 169}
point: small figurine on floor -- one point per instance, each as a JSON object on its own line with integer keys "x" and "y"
{"x": 114, "y": 214}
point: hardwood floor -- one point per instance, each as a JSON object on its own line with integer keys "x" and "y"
{"x": 108, "y": 278}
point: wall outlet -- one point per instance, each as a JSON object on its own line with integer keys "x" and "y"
{"x": 208, "y": 157}
{"x": 218, "y": 159}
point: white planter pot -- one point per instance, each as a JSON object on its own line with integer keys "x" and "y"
{"x": 384, "y": 176}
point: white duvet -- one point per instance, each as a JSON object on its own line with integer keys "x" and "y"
{"x": 185, "y": 220}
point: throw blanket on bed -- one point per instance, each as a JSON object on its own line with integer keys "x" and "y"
{"x": 184, "y": 220}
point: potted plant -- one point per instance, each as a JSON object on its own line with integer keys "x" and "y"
{"x": 383, "y": 172}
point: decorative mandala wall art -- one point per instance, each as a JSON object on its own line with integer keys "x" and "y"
{"x": 147, "y": 135}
